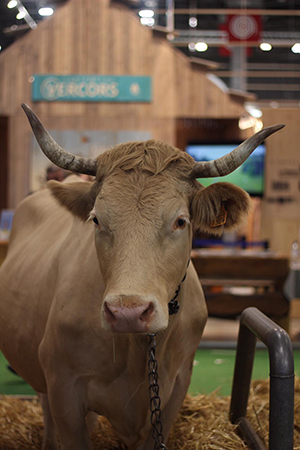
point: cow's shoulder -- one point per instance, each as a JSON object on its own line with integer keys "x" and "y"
{"x": 35, "y": 209}
{"x": 40, "y": 226}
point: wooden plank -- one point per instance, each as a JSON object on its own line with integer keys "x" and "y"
{"x": 18, "y": 160}
{"x": 3, "y": 251}
{"x": 281, "y": 221}
{"x": 212, "y": 99}
{"x": 68, "y": 46}
{"x": 185, "y": 79}
{"x": 259, "y": 268}
{"x": 226, "y": 305}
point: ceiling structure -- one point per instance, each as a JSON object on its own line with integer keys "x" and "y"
{"x": 232, "y": 31}
{"x": 12, "y": 28}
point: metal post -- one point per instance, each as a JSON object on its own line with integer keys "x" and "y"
{"x": 170, "y": 15}
{"x": 238, "y": 63}
{"x": 281, "y": 419}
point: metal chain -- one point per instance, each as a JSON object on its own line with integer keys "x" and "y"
{"x": 173, "y": 304}
{"x": 155, "y": 402}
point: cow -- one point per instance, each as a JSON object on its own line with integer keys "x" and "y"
{"x": 90, "y": 272}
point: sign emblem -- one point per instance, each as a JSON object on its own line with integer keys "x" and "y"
{"x": 244, "y": 28}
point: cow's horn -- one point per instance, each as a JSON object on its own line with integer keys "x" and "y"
{"x": 228, "y": 163}
{"x": 54, "y": 152}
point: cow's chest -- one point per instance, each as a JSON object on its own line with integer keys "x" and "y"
{"x": 124, "y": 401}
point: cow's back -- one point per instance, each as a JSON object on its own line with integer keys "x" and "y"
{"x": 28, "y": 280}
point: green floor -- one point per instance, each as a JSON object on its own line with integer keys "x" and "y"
{"x": 213, "y": 369}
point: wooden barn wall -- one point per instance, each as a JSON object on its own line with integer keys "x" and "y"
{"x": 199, "y": 97}
{"x": 96, "y": 37}
{"x": 281, "y": 204}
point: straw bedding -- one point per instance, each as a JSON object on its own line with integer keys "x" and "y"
{"x": 201, "y": 425}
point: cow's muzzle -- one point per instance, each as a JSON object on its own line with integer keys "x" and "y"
{"x": 128, "y": 314}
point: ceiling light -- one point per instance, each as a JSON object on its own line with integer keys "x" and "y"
{"x": 254, "y": 111}
{"x": 170, "y": 36}
{"x": 193, "y": 22}
{"x": 201, "y": 47}
{"x": 147, "y": 21}
{"x": 20, "y": 15}
{"x": 0, "y": 48}
{"x": 296, "y": 48}
{"x": 146, "y": 13}
{"x": 12, "y": 4}
{"x": 46, "y": 11}
{"x": 192, "y": 46}
{"x": 265, "y": 47}
{"x": 246, "y": 122}
{"x": 258, "y": 126}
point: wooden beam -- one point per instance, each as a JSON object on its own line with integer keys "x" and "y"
{"x": 232, "y": 11}
{"x": 204, "y": 64}
{"x": 242, "y": 95}
{"x": 258, "y": 74}
{"x": 163, "y": 32}
{"x": 268, "y": 66}
{"x": 273, "y": 87}
{"x": 281, "y": 103}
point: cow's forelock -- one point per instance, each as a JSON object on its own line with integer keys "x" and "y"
{"x": 151, "y": 156}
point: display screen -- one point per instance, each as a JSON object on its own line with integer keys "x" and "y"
{"x": 249, "y": 176}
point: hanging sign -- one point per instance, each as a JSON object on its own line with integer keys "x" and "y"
{"x": 244, "y": 28}
{"x": 91, "y": 88}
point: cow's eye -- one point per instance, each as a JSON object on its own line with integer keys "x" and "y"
{"x": 95, "y": 220}
{"x": 180, "y": 223}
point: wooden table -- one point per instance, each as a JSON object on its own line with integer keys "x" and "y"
{"x": 232, "y": 280}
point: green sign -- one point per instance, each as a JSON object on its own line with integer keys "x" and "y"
{"x": 91, "y": 88}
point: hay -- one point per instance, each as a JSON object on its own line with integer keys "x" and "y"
{"x": 202, "y": 423}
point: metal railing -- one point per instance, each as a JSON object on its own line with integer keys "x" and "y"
{"x": 253, "y": 324}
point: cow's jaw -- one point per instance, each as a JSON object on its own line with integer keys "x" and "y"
{"x": 133, "y": 314}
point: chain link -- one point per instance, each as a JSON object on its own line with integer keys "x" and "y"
{"x": 155, "y": 402}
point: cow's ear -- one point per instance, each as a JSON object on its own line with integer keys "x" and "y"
{"x": 77, "y": 197}
{"x": 218, "y": 207}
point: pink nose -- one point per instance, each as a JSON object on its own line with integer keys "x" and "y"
{"x": 126, "y": 319}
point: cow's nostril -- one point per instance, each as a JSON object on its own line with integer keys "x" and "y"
{"x": 147, "y": 313}
{"x": 109, "y": 314}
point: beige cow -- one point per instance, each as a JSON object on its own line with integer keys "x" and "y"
{"x": 90, "y": 271}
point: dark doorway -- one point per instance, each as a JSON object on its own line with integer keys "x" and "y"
{"x": 3, "y": 162}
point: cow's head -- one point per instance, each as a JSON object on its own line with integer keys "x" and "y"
{"x": 144, "y": 204}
